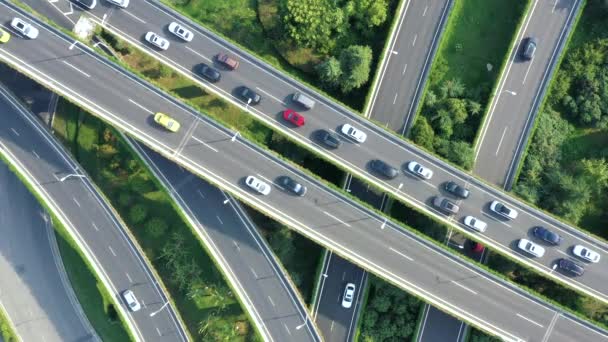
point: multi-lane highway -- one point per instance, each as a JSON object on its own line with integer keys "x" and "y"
{"x": 408, "y": 59}
{"x": 519, "y": 93}
{"x": 322, "y": 215}
{"x": 236, "y": 245}
{"x": 276, "y": 89}
{"x": 82, "y": 210}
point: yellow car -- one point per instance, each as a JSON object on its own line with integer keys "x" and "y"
{"x": 167, "y": 122}
{"x": 4, "y": 36}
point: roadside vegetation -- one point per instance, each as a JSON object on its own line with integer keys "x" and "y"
{"x": 565, "y": 170}
{"x": 6, "y": 328}
{"x": 468, "y": 63}
{"x": 332, "y": 43}
{"x": 205, "y": 301}
{"x": 477, "y": 335}
{"x": 390, "y": 314}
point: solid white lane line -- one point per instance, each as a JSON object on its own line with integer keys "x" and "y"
{"x": 236, "y": 245}
{"x": 527, "y": 71}
{"x": 404, "y": 70}
{"x": 415, "y": 37}
{"x": 111, "y": 251}
{"x": 206, "y": 145}
{"x": 463, "y": 287}
{"x": 140, "y": 106}
{"x": 219, "y": 219}
{"x": 75, "y": 68}
{"x": 200, "y": 55}
{"x": 332, "y": 325}
{"x": 501, "y": 139}
{"x": 75, "y": 201}
{"x": 395, "y": 99}
{"x": 424, "y": 12}
{"x": 270, "y": 300}
{"x": 529, "y": 320}
{"x": 270, "y": 95}
{"x": 36, "y": 154}
{"x": 403, "y": 255}
{"x": 264, "y": 178}
{"x": 15, "y": 131}
{"x": 494, "y": 218}
{"x": 335, "y": 218}
{"x": 133, "y": 15}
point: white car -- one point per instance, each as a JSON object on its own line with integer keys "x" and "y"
{"x": 475, "y": 224}
{"x": 503, "y": 210}
{"x": 180, "y": 31}
{"x": 119, "y": 3}
{"x": 585, "y": 253}
{"x": 349, "y": 294}
{"x": 353, "y": 133}
{"x": 131, "y": 301}
{"x": 24, "y": 28}
{"x": 257, "y": 185}
{"x": 419, "y": 170}
{"x": 157, "y": 40}
{"x": 531, "y": 248}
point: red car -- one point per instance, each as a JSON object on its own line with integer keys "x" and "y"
{"x": 293, "y": 117}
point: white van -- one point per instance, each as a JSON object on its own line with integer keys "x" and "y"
{"x": 303, "y": 100}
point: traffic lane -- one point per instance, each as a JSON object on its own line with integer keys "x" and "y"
{"x": 566, "y": 329}
{"x": 521, "y": 88}
{"x": 273, "y": 299}
{"x": 364, "y": 157}
{"x": 442, "y": 327}
{"x": 406, "y": 63}
{"x": 47, "y": 167}
{"x": 339, "y": 272}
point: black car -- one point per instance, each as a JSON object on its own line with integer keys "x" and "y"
{"x": 528, "y": 48}
{"x": 209, "y": 73}
{"x": 547, "y": 235}
{"x": 291, "y": 185}
{"x": 570, "y": 267}
{"x": 456, "y": 190}
{"x": 329, "y": 139}
{"x": 382, "y": 168}
{"x": 249, "y": 96}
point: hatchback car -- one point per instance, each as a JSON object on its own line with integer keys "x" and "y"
{"x": 294, "y": 117}
{"x": 475, "y": 224}
{"x": 211, "y": 74}
{"x": 383, "y": 169}
{"x": 445, "y": 205}
{"x": 131, "y": 300}
{"x": 528, "y": 48}
{"x": 4, "y": 36}
{"x": 419, "y": 170}
{"x": 531, "y": 248}
{"x": 570, "y": 267}
{"x": 503, "y": 210}
{"x": 291, "y": 185}
{"x": 586, "y": 254}
{"x": 249, "y": 96}
{"x": 227, "y": 61}
{"x": 157, "y": 40}
{"x": 167, "y": 122}
{"x": 329, "y": 139}
{"x": 24, "y": 28}
{"x": 257, "y": 185}
{"x": 547, "y": 235}
{"x": 119, "y": 3}
{"x": 89, "y": 4}
{"x": 456, "y": 190}
{"x": 349, "y": 294}
{"x": 180, "y": 31}
{"x": 353, "y": 133}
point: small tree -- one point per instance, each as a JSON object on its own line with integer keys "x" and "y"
{"x": 355, "y": 62}
{"x": 329, "y": 71}
{"x": 138, "y": 213}
{"x": 157, "y": 226}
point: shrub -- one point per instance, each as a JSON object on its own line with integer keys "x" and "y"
{"x": 157, "y": 227}
{"x": 138, "y": 213}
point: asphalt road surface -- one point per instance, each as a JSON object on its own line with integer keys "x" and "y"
{"x": 401, "y": 81}
{"x": 238, "y": 247}
{"x": 323, "y": 215}
{"x": 276, "y": 89}
{"x": 519, "y": 93}
{"x": 105, "y": 243}
{"x": 35, "y": 291}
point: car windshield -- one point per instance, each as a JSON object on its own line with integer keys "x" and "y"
{"x": 473, "y": 221}
{"x": 504, "y": 209}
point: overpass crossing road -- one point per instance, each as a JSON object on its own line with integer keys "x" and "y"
{"x": 148, "y": 15}
{"x": 90, "y": 221}
{"x": 323, "y": 215}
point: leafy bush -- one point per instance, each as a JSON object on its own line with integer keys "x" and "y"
{"x": 157, "y": 226}
{"x": 138, "y": 213}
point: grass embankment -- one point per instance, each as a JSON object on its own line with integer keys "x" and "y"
{"x": 565, "y": 169}
{"x": 259, "y": 26}
{"x": 202, "y": 297}
{"x": 468, "y": 63}
{"x": 257, "y": 132}
{"x": 6, "y": 328}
